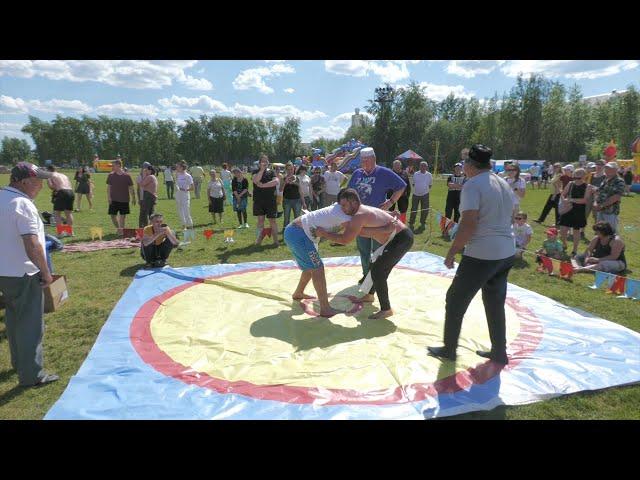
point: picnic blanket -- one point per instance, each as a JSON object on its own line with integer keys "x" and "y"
{"x": 101, "y": 245}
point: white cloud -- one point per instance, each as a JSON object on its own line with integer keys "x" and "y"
{"x": 346, "y": 117}
{"x": 204, "y": 104}
{"x": 254, "y": 77}
{"x": 471, "y": 68}
{"x": 119, "y": 73}
{"x": 122, "y": 108}
{"x": 332, "y": 131}
{"x": 14, "y": 130}
{"x": 289, "y": 90}
{"x": 575, "y": 69}
{"x": 10, "y": 105}
{"x": 278, "y": 112}
{"x": 275, "y": 61}
{"x": 439, "y": 92}
{"x": 388, "y": 71}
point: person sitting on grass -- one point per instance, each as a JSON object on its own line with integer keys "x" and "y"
{"x": 157, "y": 242}
{"x": 551, "y": 247}
{"x": 522, "y": 232}
{"x": 605, "y": 252}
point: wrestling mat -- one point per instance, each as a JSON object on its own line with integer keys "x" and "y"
{"x": 228, "y": 342}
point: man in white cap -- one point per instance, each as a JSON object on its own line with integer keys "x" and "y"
{"x": 372, "y": 182}
{"x": 24, "y": 272}
{"x": 607, "y": 204}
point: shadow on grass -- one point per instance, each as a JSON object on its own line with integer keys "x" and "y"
{"x": 11, "y": 394}
{"x": 7, "y": 374}
{"x": 229, "y": 251}
{"x": 131, "y": 270}
{"x": 520, "y": 263}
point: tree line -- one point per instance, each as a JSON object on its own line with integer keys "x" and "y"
{"x": 537, "y": 119}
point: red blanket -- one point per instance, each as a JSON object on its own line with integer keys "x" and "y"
{"x": 101, "y": 245}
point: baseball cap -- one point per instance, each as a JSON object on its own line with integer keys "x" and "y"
{"x": 591, "y": 165}
{"x": 552, "y": 231}
{"x": 24, "y": 170}
{"x": 611, "y": 165}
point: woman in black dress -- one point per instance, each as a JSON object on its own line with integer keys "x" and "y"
{"x": 576, "y": 193}
{"x": 83, "y": 187}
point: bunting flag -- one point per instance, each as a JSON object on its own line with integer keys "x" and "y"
{"x": 454, "y": 230}
{"x": 556, "y": 265}
{"x": 566, "y": 270}
{"x": 228, "y": 236}
{"x": 546, "y": 265}
{"x": 139, "y": 233}
{"x": 403, "y": 217}
{"x": 128, "y": 233}
{"x": 189, "y": 236}
{"x": 618, "y": 285}
{"x": 208, "y": 234}
{"x": 266, "y": 232}
{"x": 96, "y": 232}
{"x": 602, "y": 278}
{"x": 64, "y": 229}
{"x": 633, "y": 289}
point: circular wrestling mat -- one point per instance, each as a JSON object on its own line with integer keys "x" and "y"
{"x": 242, "y": 333}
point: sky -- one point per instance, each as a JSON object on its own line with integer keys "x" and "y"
{"x": 322, "y": 93}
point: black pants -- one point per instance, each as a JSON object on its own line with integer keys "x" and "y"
{"x": 423, "y": 201}
{"x": 403, "y": 204}
{"x": 472, "y": 275}
{"x": 381, "y": 268}
{"x": 242, "y": 216}
{"x": 551, "y": 203}
{"x": 169, "y": 190}
{"x": 453, "y": 205}
{"x": 146, "y": 208}
{"x": 153, "y": 252}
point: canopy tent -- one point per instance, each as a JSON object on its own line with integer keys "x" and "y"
{"x": 409, "y": 158}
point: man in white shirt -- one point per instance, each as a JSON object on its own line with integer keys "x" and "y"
{"x": 534, "y": 170}
{"x": 24, "y": 272}
{"x": 333, "y": 183}
{"x": 422, "y": 182}
{"x": 486, "y": 236}
{"x": 197, "y": 173}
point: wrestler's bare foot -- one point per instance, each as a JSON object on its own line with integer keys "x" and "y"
{"x": 368, "y": 298}
{"x": 381, "y": 314}
{"x": 301, "y": 296}
{"x": 328, "y": 312}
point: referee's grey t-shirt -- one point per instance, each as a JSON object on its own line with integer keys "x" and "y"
{"x": 492, "y": 197}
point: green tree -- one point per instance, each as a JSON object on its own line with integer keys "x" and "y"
{"x": 14, "y": 150}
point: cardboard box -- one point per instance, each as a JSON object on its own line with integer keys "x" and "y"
{"x": 55, "y": 294}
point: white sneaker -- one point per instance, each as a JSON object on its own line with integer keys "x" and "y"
{"x": 246, "y": 225}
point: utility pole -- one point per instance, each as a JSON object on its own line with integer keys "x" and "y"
{"x": 435, "y": 167}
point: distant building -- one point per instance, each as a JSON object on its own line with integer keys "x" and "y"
{"x": 357, "y": 120}
{"x": 603, "y": 97}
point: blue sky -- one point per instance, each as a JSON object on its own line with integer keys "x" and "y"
{"x": 322, "y": 93}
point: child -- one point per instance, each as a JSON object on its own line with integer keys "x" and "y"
{"x": 216, "y": 194}
{"x": 551, "y": 247}
{"x": 522, "y": 232}
{"x": 240, "y": 190}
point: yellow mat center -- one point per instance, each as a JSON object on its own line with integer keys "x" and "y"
{"x": 246, "y": 327}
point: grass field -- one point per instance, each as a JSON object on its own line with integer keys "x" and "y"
{"x": 97, "y": 280}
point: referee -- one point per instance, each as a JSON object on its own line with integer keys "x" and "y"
{"x": 485, "y": 234}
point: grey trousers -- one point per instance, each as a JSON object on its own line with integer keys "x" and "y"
{"x": 24, "y": 306}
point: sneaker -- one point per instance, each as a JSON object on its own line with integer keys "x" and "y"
{"x": 48, "y": 378}
{"x": 246, "y": 225}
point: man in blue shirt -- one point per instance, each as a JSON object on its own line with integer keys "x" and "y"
{"x": 372, "y": 182}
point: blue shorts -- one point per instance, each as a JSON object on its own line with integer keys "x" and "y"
{"x": 242, "y": 205}
{"x": 304, "y": 250}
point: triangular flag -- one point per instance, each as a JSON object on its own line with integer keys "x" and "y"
{"x": 454, "y": 230}
{"x": 443, "y": 224}
{"x": 139, "y": 233}
{"x": 64, "y": 229}
{"x": 266, "y": 232}
{"x": 229, "y": 233}
{"x": 633, "y": 289}
{"x": 546, "y": 265}
{"x": 403, "y": 217}
{"x": 556, "y": 265}
{"x": 566, "y": 270}
{"x": 189, "y": 236}
{"x": 208, "y": 234}
{"x": 598, "y": 280}
{"x": 96, "y": 232}
{"x": 618, "y": 286}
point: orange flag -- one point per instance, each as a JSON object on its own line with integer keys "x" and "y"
{"x": 266, "y": 232}
{"x": 208, "y": 233}
{"x": 566, "y": 270}
{"x": 403, "y": 217}
{"x": 60, "y": 229}
{"x": 546, "y": 266}
{"x": 139, "y": 233}
{"x": 618, "y": 287}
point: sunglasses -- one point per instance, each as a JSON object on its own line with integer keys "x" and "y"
{"x": 519, "y": 218}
